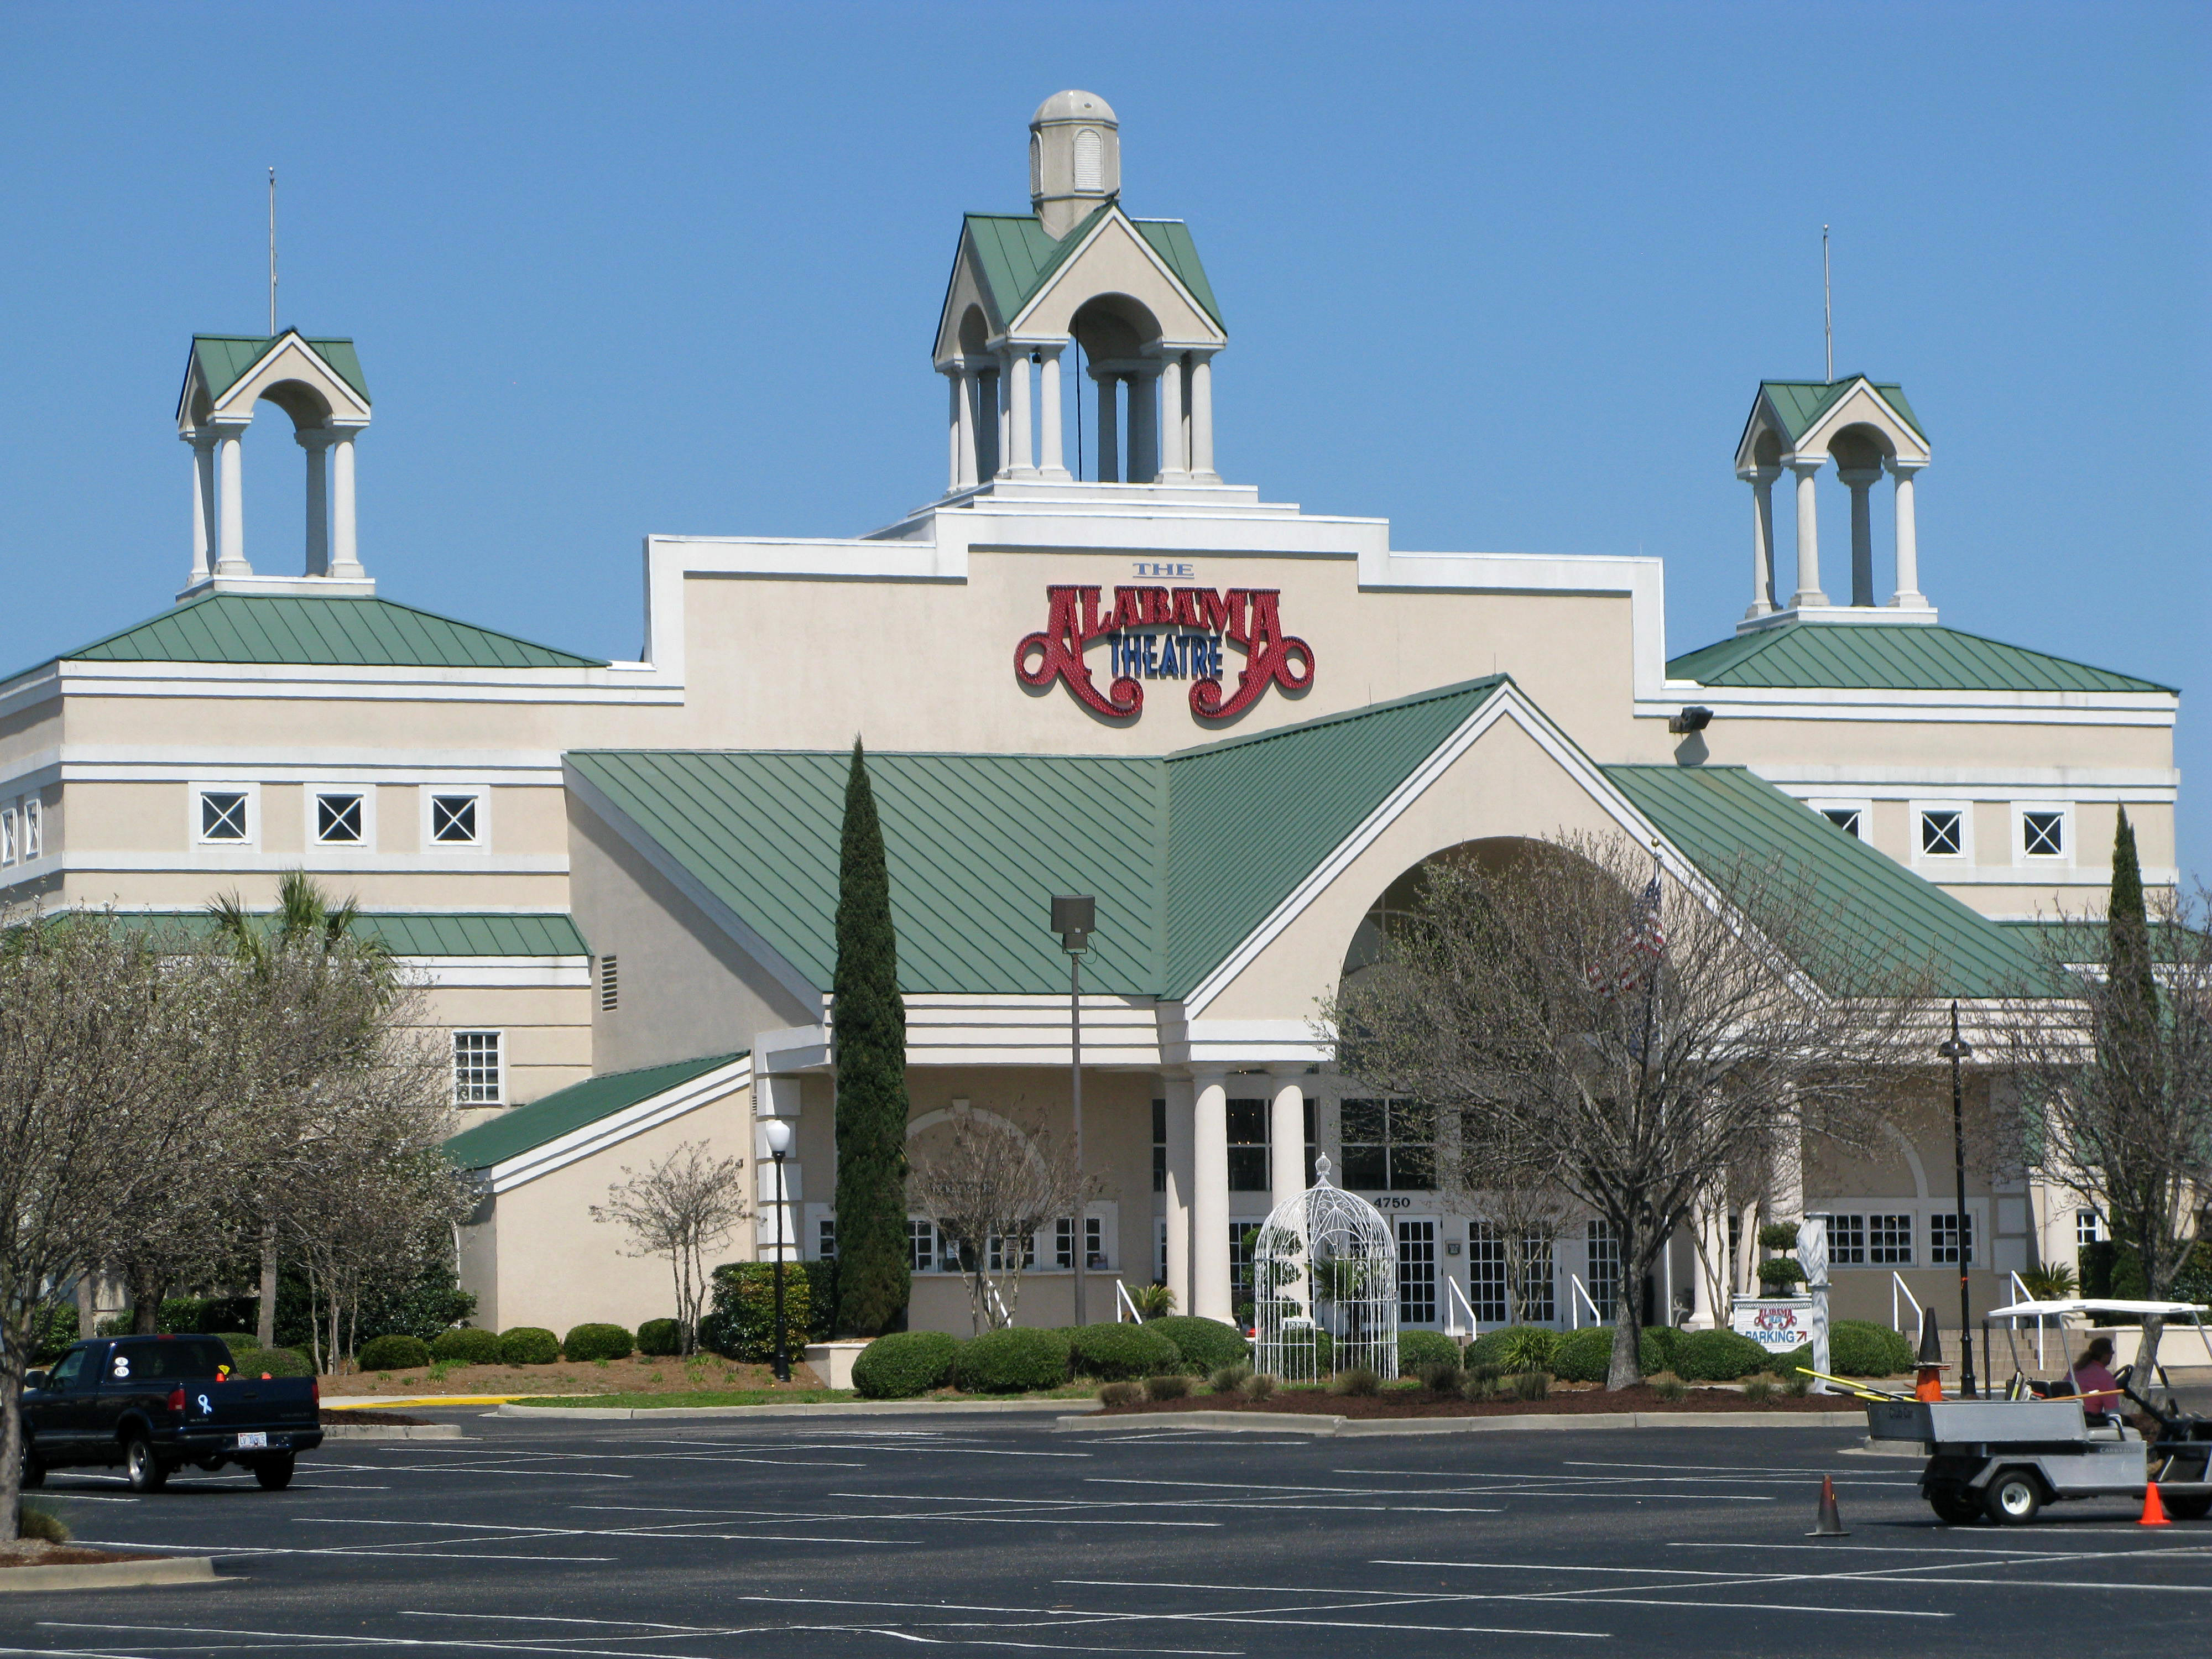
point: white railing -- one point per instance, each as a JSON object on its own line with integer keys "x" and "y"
{"x": 2021, "y": 1293}
{"x": 998, "y": 1303}
{"x": 1896, "y": 1284}
{"x": 1454, "y": 1294}
{"x": 1125, "y": 1306}
{"x": 1583, "y": 1296}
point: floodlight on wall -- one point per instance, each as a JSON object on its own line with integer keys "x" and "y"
{"x": 1073, "y": 918}
{"x": 1696, "y": 718}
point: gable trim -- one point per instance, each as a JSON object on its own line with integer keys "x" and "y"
{"x": 618, "y": 1127}
{"x": 1113, "y": 214}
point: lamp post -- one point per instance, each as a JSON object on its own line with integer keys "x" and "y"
{"x": 1958, "y": 1051}
{"x": 777, "y": 1133}
{"x": 1072, "y": 919}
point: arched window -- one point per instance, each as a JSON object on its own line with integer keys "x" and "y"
{"x": 1037, "y": 166}
{"x": 1090, "y": 160}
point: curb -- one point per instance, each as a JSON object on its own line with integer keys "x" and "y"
{"x": 825, "y": 1409}
{"x": 357, "y": 1402}
{"x": 111, "y": 1575}
{"x": 1328, "y": 1427}
{"x": 390, "y": 1432}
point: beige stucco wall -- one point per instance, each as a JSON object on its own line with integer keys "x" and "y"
{"x": 545, "y": 1033}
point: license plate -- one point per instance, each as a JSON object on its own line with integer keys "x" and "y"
{"x": 252, "y": 1442}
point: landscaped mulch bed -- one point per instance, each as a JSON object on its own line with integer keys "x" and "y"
{"x": 387, "y": 1419}
{"x": 1418, "y": 1402}
{"x": 639, "y": 1374}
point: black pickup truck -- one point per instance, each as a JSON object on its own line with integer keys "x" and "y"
{"x": 153, "y": 1404}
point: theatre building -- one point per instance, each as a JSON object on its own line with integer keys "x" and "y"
{"x": 1105, "y": 669}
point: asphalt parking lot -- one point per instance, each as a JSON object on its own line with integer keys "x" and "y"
{"x": 706, "y": 1539}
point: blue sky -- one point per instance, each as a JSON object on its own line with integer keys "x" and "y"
{"x": 1508, "y": 274}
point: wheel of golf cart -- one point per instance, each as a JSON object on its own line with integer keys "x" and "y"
{"x": 2014, "y": 1498}
{"x": 1954, "y": 1508}
{"x": 275, "y": 1474}
{"x": 2181, "y": 1509}
{"x": 32, "y": 1472}
{"x": 145, "y": 1470}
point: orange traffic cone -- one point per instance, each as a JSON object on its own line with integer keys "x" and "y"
{"x": 2154, "y": 1513}
{"x": 1831, "y": 1523}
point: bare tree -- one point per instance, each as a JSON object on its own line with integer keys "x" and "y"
{"x": 991, "y": 1187}
{"x": 1605, "y": 1027}
{"x": 2114, "y": 1080}
{"x": 681, "y": 1207}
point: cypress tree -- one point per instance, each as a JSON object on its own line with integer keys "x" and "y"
{"x": 873, "y": 1279}
{"x": 2128, "y": 934}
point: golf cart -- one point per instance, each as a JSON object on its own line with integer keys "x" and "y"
{"x": 2004, "y": 1459}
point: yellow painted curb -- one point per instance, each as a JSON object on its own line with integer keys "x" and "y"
{"x": 373, "y": 1403}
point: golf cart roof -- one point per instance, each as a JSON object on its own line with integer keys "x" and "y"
{"x": 2084, "y": 1304}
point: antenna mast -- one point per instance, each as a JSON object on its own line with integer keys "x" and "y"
{"x": 1827, "y": 299}
{"x": 272, "y": 253}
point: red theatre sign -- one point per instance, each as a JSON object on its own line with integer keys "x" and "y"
{"x": 1164, "y": 632}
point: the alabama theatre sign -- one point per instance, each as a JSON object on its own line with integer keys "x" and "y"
{"x": 1165, "y": 633}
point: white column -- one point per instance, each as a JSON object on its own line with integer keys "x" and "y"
{"x": 230, "y": 506}
{"x": 954, "y": 425}
{"x": 1052, "y": 461}
{"x": 1209, "y": 1201}
{"x": 1287, "y": 1137}
{"x": 1174, "y": 431}
{"x": 1860, "y": 481}
{"x": 1144, "y": 427}
{"x": 1109, "y": 427}
{"x": 317, "y": 442}
{"x": 204, "y": 531}
{"x": 1711, "y": 1265}
{"x": 345, "y": 558}
{"x": 1002, "y": 445}
{"x": 1201, "y": 418}
{"x": 1181, "y": 1097}
{"x": 1808, "y": 592}
{"x": 1019, "y": 464}
{"x": 1761, "y": 480}
{"x": 1908, "y": 596}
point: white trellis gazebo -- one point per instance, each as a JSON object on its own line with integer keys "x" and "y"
{"x": 1326, "y": 1263}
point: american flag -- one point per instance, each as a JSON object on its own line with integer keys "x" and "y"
{"x": 1644, "y": 944}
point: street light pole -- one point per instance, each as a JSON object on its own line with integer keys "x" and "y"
{"x": 1073, "y": 918}
{"x": 1958, "y": 1051}
{"x": 778, "y": 1136}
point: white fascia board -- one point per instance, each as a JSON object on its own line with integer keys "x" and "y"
{"x": 93, "y": 762}
{"x": 2149, "y": 783}
{"x": 231, "y": 857}
{"x": 591, "y": 686}
{"x": 1214, "y": 340}
{"x": 1642, "y": 578}
{"x": 619, "y": 1127}
{"x": 739, "y": 930}
{"x": 791, "y": 1048}
{"x": 1507, "y": 702}
{"x": 2135, "y": 709}
{"x": 1831, "y": 421}
{"x": 2053, "y": 873}
{"x": 1203, "y": 1043}
{"x": 34, "y": 686}
{"x": 503, "y": 973}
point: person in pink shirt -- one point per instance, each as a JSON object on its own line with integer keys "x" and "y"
{"x": 2092, "y": 1377}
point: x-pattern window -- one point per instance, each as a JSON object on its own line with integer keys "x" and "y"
{"x": 1845, "y": 819}
{"x": 222, "y": 815}
{"x": 1943, "y": 833}
{"x": 2045, "y": 834}
{"x": 338, "y": 819}
{"x": 453, "y": 819}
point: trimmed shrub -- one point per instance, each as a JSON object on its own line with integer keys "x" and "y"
{"x": 1785, "y": 1365}
{"x": 1859, "y": 1348}
{"x": 1656, "y": 1350}
{"x": 598, "y": 1342}
{"x": 393, "y": 1353}
{"x": 1120, "y": 1393}
{"x": 741, "y": 1324}
{"x": 1516, "y": 1347}
{"x": 528, "y": 1345}
{"x": 1358, "y": 1381}
{"x": 1718, "y": 1356}
{"x": 1779, "y": 1275}
{"x": 1168, "y": 1385}
{"x": 1778, "y": 1236}
{"x": 464, "y": 1345}
{"x": 1204, "y": 1343}
{"x": 1112, "y": 1351}
{"x": 1585, "y": 1355}
{"x": 905, "y": 1364}
{"x": 42, "y": 1524}
{"x": 276, "y": 1362}
{"x": 1013, "y": 1360}
{"x": 1420, "y": 1348}
{"x": 660, "y": 1336}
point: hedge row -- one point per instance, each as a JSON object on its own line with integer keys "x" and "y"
{"x": 1019, "y": 1358}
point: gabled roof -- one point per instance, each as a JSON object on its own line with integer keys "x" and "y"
{"x": 566, "y": 1110}
{"x": 430, "y": 932}
{"x": 1798, "y": 404}
{"x": 1017, "y": 258}
{"x": 223, "y": 359}
{"x": 1714, "y": 814}
{"x": 1889, "y": 657}
{"x": 320, "y": 632}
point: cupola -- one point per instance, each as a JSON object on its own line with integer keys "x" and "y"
{"x": 1075, "y": 159}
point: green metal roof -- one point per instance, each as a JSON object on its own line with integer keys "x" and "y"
{"x": 255, "y": 628}
{"x": 1017, "y": 258}
{"x": 1713, "y": 814}
{"x": 223, "y": 359}
{"x": 1889, "y": 657}
{"x": 1250, "y": 818}
{"x": 513, "y": 1132}
{"x": 433, "y": 933}
{"x": 1799, "y": 404}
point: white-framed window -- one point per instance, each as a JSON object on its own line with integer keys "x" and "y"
{"x": 1604, "y": 1259}
{"x": 2089, "y": 1228}
{"x": 342, "y": 817}
{"x": 1941, "y": 829}
{"x": 32, "y": 829}
{"x": 2046, "y": 832}
{"x": 825, "y": 1238}
{"x": 479, "y": 1069}
{"x": 227, "y": 814}
{"x": 1889, "y": 1241}
{"x": 1943, "y": 1240}
{"x": 456, "y": 818}
{"x": 1847, "y": 1241}
{"x": 9, "y": 851}
{"x": 1489, "y": 1268}
{"x": 1417, "y": 1272}
{"x": 1854, "y": 817}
